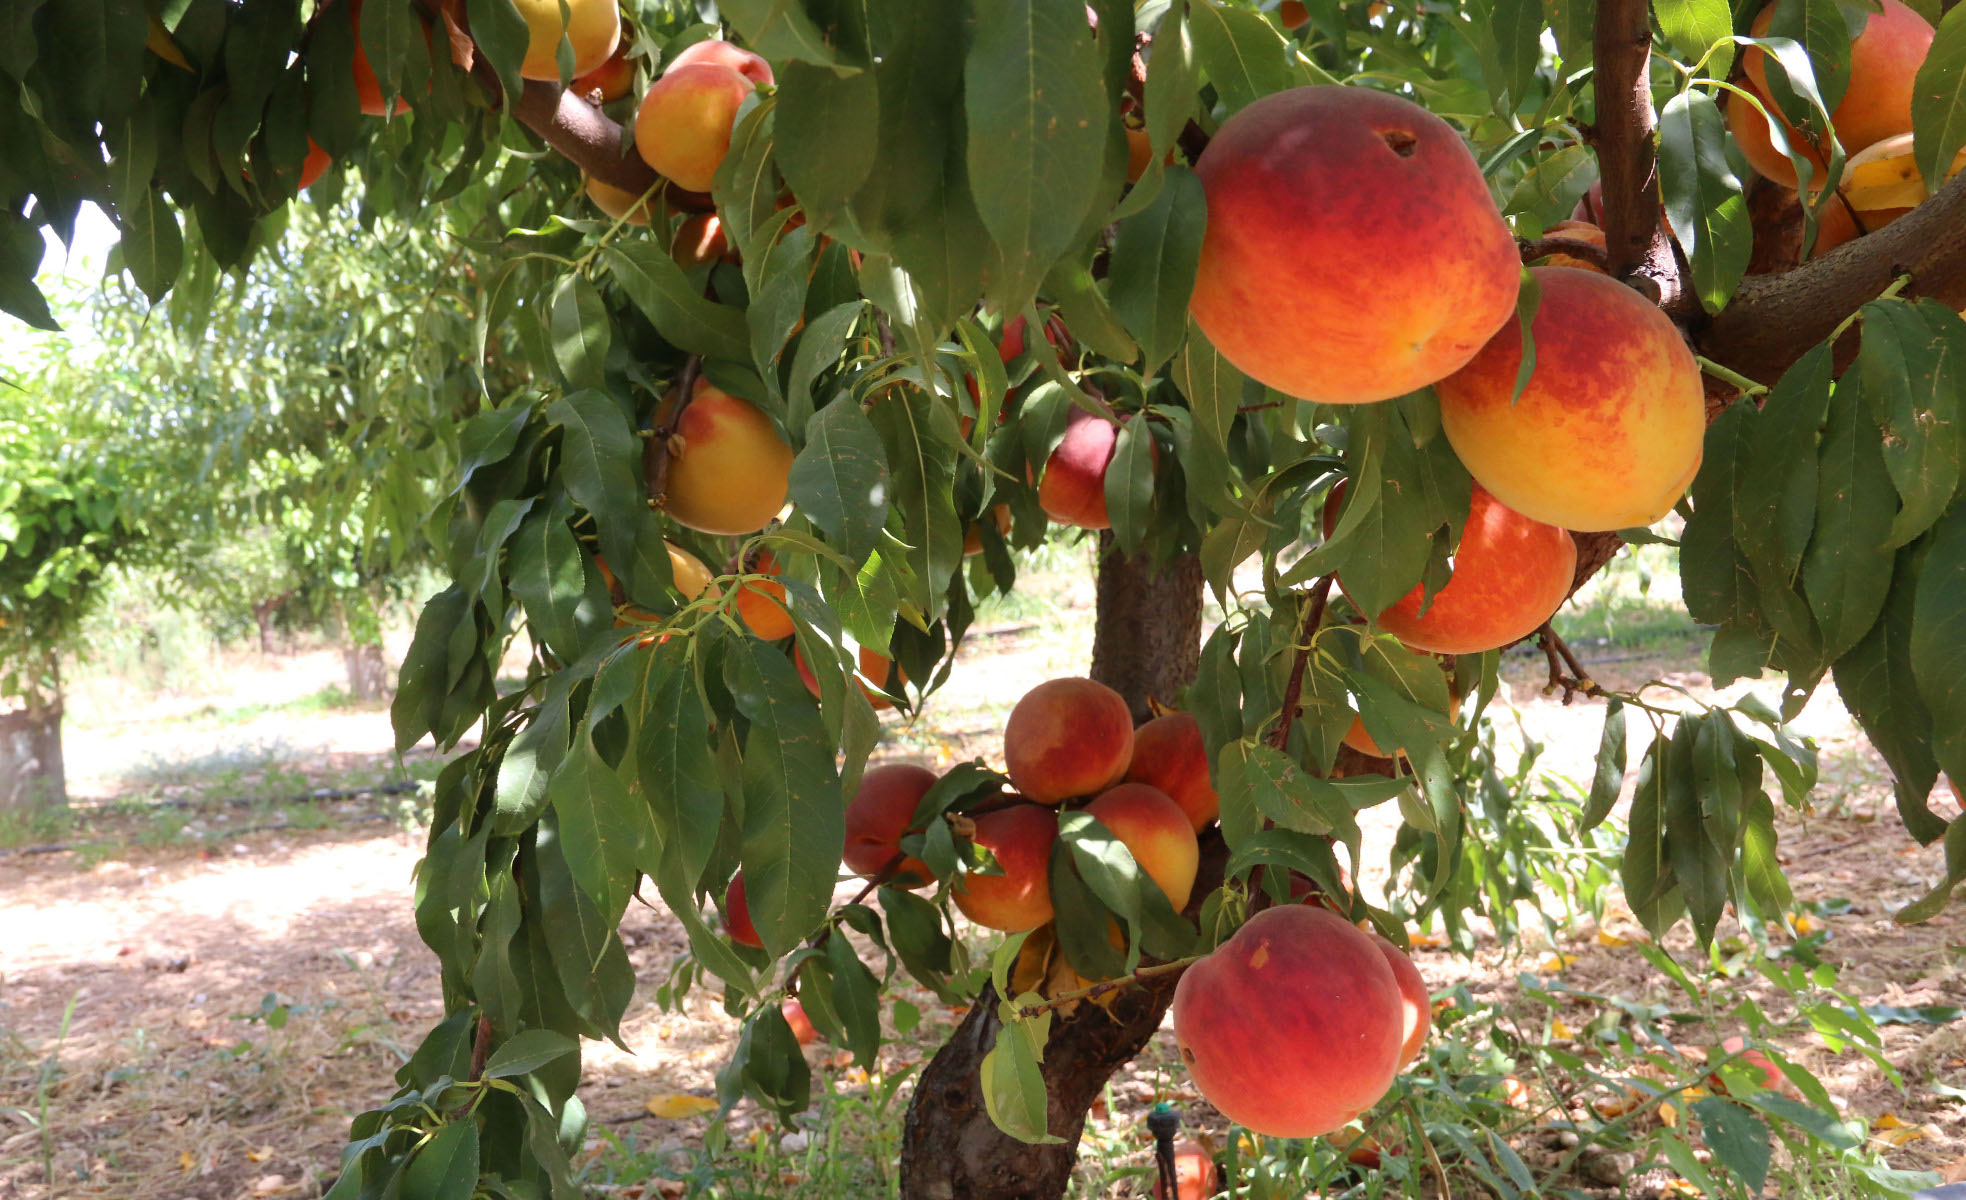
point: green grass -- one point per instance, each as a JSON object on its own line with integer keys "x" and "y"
{"x": 1633, "y": 603}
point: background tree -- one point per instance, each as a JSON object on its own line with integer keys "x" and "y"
{"x": 903, "y": 181}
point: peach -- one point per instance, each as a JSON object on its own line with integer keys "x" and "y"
{"x": 691, "y": 577}
{"x": 1590, "y": 206}
{"x": 700, "y": 239}
{"x": 683, "y": 127}
{"x": 1139, "y": 153}
{"x": 1583, "y": 231}
{"x": 879, "y": 814}
{"x": 368, "y": 89}
{"x": 1359, "y": 739}
{"x": 1772, "y": 1078}
{"x": 1072, "y": 489}
{"x": 314, "y": 165}
{"x": 761, "y": 602}
{"x": 795, "y": 1016}
{"x": 1353, "y": 251}
{"x": 1168, "y": 754}
{"x": 1607, "y": 434}
{"x": 618, "y": 203}
{"x": 1883, "y": 182}
{"x": 874, "y": 667}
{"x": 1011, "y": 345}
{"x": 1292, "y": 1026}
{"x": 591, "y": 27}
{"x": 1508, "y": 575}
{"x": 1416, "y": 1004}
{"x": 1835, "y": 225}
{"x": 752, "y": 66}
{"x": 737, "y": 915}
{"x": 608, "y": 82}
{"x": 1876, "y": 105}
{"x": 1020, "y": 837}
{"x": 729, "y": 466}
{"x": 1194, "y": 1174}
{"x": 1156, "y": 831}
{"x": 1068, "y": 737}
{"x": 1292, "y": 14}
{"x": 973, "y": 536}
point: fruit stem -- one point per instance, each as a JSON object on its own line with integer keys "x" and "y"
{"x": 1734, "y": 378}
{"x": 1590, "y": 252}
{"x": 1105, "y": 986}
{"x": 1897, "y": 285}
{"x": 1294, "y": 690}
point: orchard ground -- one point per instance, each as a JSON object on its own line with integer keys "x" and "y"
{"x": 197, "y": 997}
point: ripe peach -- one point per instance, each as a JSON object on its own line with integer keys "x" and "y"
{"x": 1877, "y": 104}
{"x": 608, "y": 82}
{"x": 1168, "y": 754}
{"x": 1194, "y": 1174}
{"x": 1772, "y": 1078}
{"x": 1509, "y": 574}
{"x": 795, "y": 1016}
{"x": 368, "y": 89}
{"x": 879, "y": 815}
{"x": 729, "y": 471}
{"x": 1157, "y": 833}
{"x": 1583, "y": 231}
{"x": 1072, "y": 489}
{"x": 973, "y": 536}
{"x": 1068, "y": 737}
{"x": 761, "y": 602}
{"x": 1292, "y": 1026}
{"x": 683, "y": 127}
{"x": 618, "y": 203}
{"x": 737, "y": 915}
{"x": 1590, "y": 206}
{"x": 1359, "y": 739}
{"x": 1607, "y": 434}
{"x": 1292, "y": 14}
{"x": 1139, "y": 153}
{"x": 876, "y": 672}
{"x": 314, "y": 165}
{"x": 1353, "y": 251}
{"x": 1834, "y": 226}
{"x": 692, "y": 578}
{"x": 1020, "y": 837}
{"x": 752, "y": 66}
{"x": 1416, "y": 1004}
{"x": 592, "y": 27}
{"x": 700, "y": 239}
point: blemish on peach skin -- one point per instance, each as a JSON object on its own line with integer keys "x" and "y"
{"x": 1261, "y": 957}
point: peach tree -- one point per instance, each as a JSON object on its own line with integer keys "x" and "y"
{"x": 1388, "y": 323}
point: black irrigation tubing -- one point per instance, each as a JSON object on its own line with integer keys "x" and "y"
{"x": 380, "y": 789}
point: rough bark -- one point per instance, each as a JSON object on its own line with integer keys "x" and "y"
{"x": 1635, "y": 243}
{"x": 1147, "y": 644}
{"x": 368, "y": 674}
{"x": 31, "y": 769}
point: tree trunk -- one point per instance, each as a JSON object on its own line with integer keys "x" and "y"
{"x": 1146, "y": 644}
{"x": 31, "y": 770}
{"x": 368, "y": 674}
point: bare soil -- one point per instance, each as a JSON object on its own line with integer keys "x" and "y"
{"x": 136, "y": 1059}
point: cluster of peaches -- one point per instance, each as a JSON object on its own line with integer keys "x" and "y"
{"x": 1342, "y": 1010}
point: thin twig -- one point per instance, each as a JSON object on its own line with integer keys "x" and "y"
{"x": 888, "y": 871}
{"x": 1259, "y": 407}
{"x": 1590, "y": 252}
{"x": 1105, "y": 986}
{"x": 1294, "y": 690}
{"x": 657, "y": 453}
{"x": 481, "y": 1048}
{"x": 1560, "y": 656}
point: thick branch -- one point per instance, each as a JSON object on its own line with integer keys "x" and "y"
{"x": 584, "y": 135}
{"x": 1635, "y": 241}
{"x": 1774, "y": 318}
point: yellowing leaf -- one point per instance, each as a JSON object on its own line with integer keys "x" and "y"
{"x": 1683, "y": 1187}
{"x": 1888, "y": 1121}
{"x": 260, "y": 1155}
{"x": 1669, "y": 1114}
{"x": 679, "y": 1107}
{"x": 1428, "y": 941}
{"x": 1560, "y": 1031}
{"x": 1558, "y": 962}
{"x": 1605, "y": 938}
{"x": 186, "y": 1161}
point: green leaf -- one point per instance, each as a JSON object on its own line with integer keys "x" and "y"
{"x": 527, "y": 1051}
{"x": 446, "y": 1168}
{"x": 603, "y": 830}
{"x": 840, "y": 479}
{"x": 1696, "y": 26}
{"x": 580, "y": 332}
{"x": 550, "y": 577}
{"x": 152, "y": 246}
{"x": 1013, "y": 1086}
{"x": 590, "y": 961}
{"x": 1518, "y": 28}
{"x": 1739, "y": 1140}
{"x": 674, "y": 764}
{"x": 424, "y": 680}
{"x": 1036, "y": 117}
{"x": 794, "y": 822}
{"x": 1938, "y": 640}
{"x": 1703, "y": 199}
{"x": 600, "y": 461}
{"x": 1846, "y": 572}
{"x": 1129, "y": 484}
{"x": 1775, "y": 500}
{"x": 664, "y": 294}
{"x": 856, "y": 997}
{"x": 780, "y": 29}
{"x": 1153, "y": 266}
{"x": 921, "y": 438}
{"x": 18, "y": 44}
{"x": 1938, "y": 102}
{"x": 1878, "y": 684}
{"x": 1822, "y": 28}
{"x": 1244, "y": 55}
{"x": 1609, "y": 775}
{"x": 828, "y": 127}
{"x": 1913, "y": 366}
